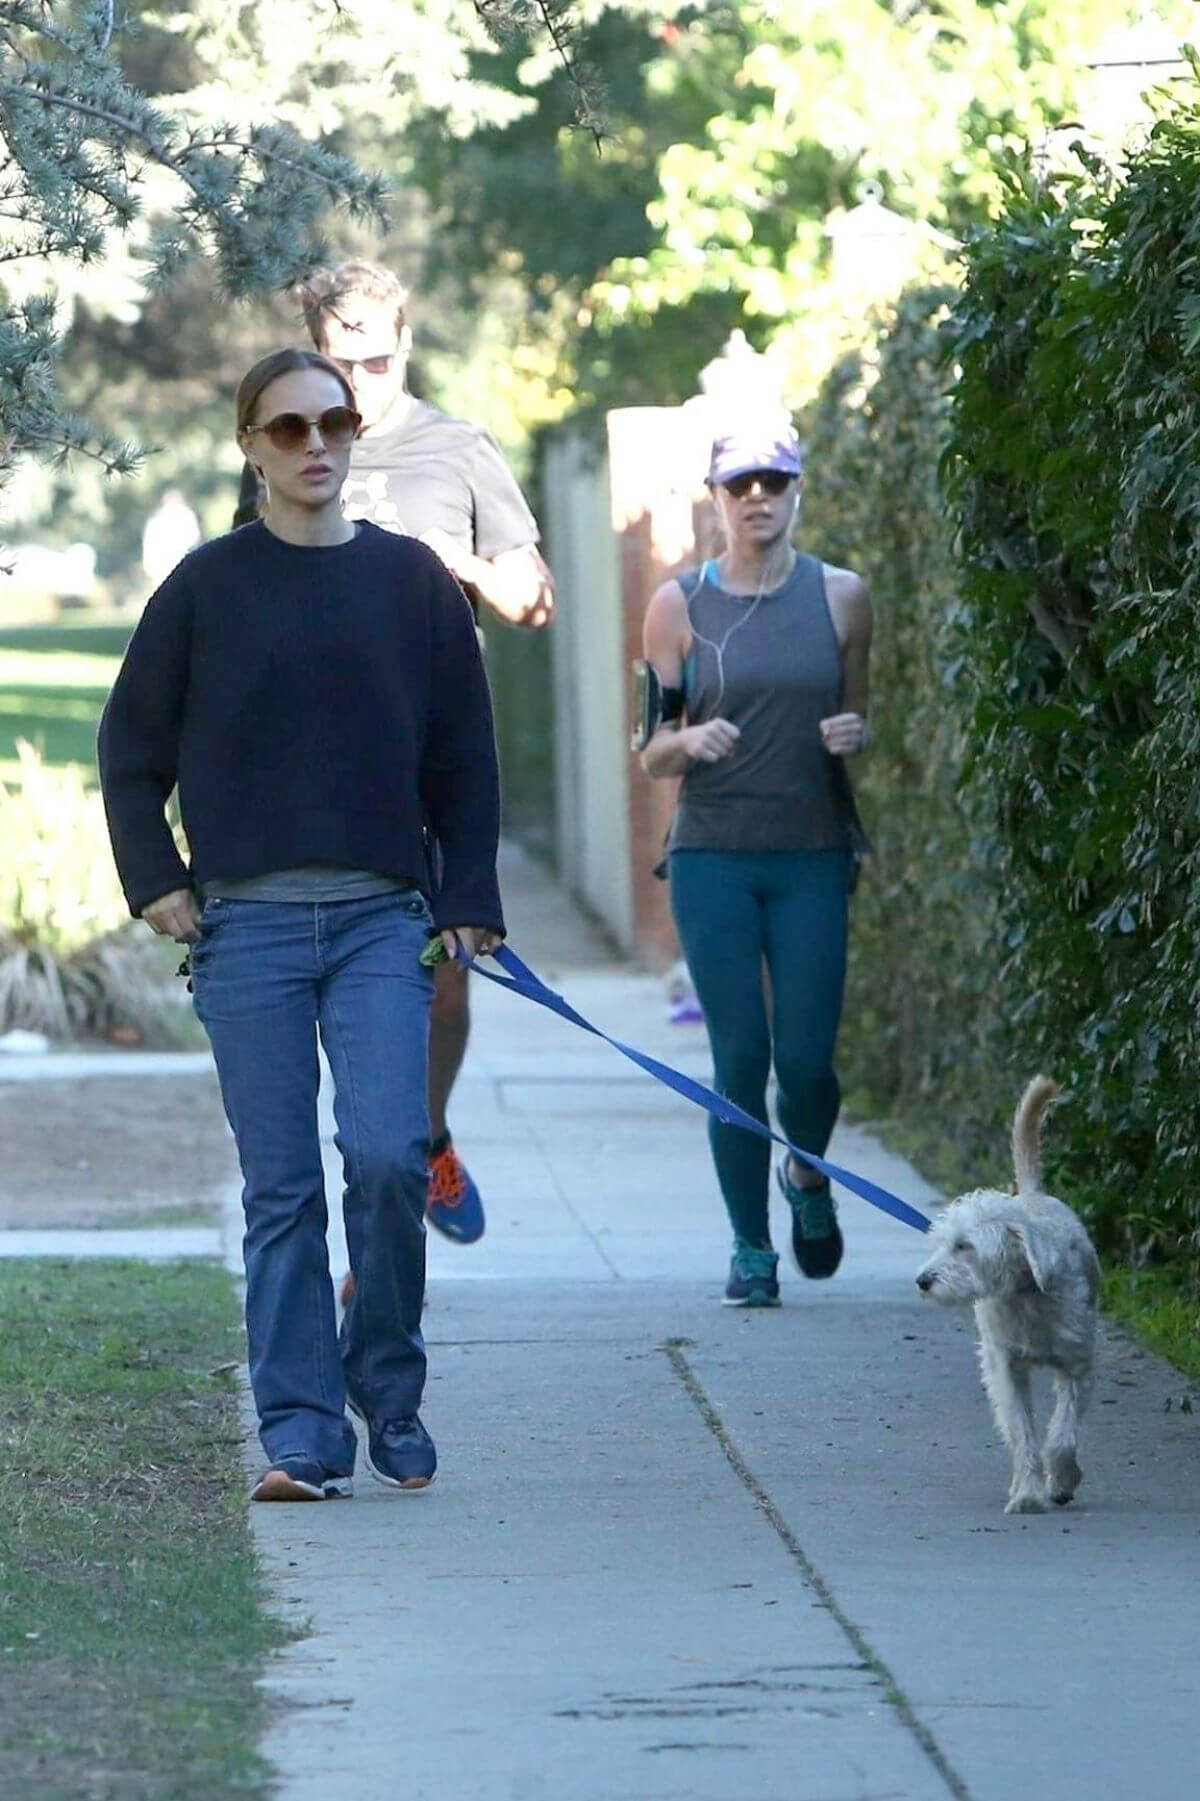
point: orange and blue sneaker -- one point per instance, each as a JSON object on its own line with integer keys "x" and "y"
{"x": 453, "y": 1205}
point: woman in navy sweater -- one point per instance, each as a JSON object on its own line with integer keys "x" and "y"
{"x": 314, "y": 690}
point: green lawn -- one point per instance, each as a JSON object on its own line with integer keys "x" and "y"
{"x": 54, "y": 680}
{"x": 132, "y": 1626}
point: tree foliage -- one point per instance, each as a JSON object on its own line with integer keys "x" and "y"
{"x": 734, "y": 132}
{"x": 87, "y": 158}
{"x": 212, "y": 142}
{"x": 548, "y": 277}
{"x": 1075, "y": 479}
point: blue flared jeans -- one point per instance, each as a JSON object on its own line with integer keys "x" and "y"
{"x": 268, "y": 977}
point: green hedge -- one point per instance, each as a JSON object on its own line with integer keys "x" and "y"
{"x": 1074, "y": 473}
{"x": 1035, "y": 787}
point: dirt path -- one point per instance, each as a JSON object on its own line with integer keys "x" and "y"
{"x": 117, "y": 1150}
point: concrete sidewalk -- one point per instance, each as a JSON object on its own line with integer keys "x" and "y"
{"x": 682, "y": 1553}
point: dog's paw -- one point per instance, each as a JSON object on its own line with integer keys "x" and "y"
{"x": 1064, "y": 1476}
{"x": 1027, "y": 1500}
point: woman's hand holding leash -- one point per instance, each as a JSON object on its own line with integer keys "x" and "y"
{"x": 476, "y": 941}
{"x": 845, "y": 734}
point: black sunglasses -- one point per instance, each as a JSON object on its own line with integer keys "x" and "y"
{"x": 771, "y": 481}
{"x": 337, "y": 425}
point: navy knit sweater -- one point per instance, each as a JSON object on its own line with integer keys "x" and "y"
{"x": 314, "y": 704}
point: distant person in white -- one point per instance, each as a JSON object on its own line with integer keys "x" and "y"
{"x": 170, "y": 532}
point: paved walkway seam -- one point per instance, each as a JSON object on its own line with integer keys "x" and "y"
{"x": 566, "y": 1202}
{"x": 675, "y": 1350}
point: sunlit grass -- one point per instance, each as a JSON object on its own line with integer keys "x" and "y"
{"x": 54, "y": 680}
{"x": 55, "y": 669}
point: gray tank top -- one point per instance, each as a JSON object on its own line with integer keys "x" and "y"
{"x": 774, "y": 669}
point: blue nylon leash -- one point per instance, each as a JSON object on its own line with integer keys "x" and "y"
{"x": 520, "y": 979}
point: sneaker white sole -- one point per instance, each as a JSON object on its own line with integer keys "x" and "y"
{"x": 277, "y": 1485}
{"x": 415, "y": 1485}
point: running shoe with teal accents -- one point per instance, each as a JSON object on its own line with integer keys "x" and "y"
{"x": 752, "y": 1279}
{"x": 816, "y": 1236}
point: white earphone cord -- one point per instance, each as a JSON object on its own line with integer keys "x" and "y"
{"x": 718, "y": 650}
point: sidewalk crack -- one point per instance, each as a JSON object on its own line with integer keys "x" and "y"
{"x": 565, "y": 1199}
{"x": 675, "y": 1350}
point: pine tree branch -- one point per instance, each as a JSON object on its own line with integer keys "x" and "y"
{"x": 77, "y": 143}
{"x": 155, "y": 144}
{"x": 561, "y": 33}
{"x": 115, "y": 459}
{"x": 506, "y": 19}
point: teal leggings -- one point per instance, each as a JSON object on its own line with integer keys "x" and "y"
{"x": 735, "y": 911}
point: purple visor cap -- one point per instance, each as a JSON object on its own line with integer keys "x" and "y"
{"x": 740, "y": 452}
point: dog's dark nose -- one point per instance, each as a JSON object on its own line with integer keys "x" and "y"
{"x": 925, "y": 1281}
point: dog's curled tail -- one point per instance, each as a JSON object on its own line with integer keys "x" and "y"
{"x": 1027, "y": 1133}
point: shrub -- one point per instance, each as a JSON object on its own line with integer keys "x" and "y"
{"x": 1075, "y": 480}
{"x": 71, "y": 961}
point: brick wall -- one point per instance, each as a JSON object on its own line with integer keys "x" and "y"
{"x": 662, "y": 525}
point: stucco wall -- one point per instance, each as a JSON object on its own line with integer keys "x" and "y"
{"x": 590, "y": 681}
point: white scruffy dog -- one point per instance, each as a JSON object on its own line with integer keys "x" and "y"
{"x": 1030, "y": 1270}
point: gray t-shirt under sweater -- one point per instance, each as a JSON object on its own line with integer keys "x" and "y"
{"x": 312, "y": 882}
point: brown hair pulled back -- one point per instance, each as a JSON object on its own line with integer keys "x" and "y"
{"x": 282, "y": 362}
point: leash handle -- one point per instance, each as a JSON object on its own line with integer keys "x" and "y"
{"x": 522, "y": 980}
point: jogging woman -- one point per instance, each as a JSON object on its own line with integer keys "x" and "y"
{"x": 763, "y": 653}
{"x": 314, "y": 689}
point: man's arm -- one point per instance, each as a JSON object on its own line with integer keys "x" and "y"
{"x": 506, "y": 569}
{"x": 516, "y": 584}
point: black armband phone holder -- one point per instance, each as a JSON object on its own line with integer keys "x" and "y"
{"x": 653, "y": 705}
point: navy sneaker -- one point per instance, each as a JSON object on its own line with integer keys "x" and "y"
{"x": 296, "y": 1479}
{"x": 401, "y": 1454}
{"x": 816, "y": 1236}
{"x": 752, "y": 1279}
{"x": 453, "y": 1204}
